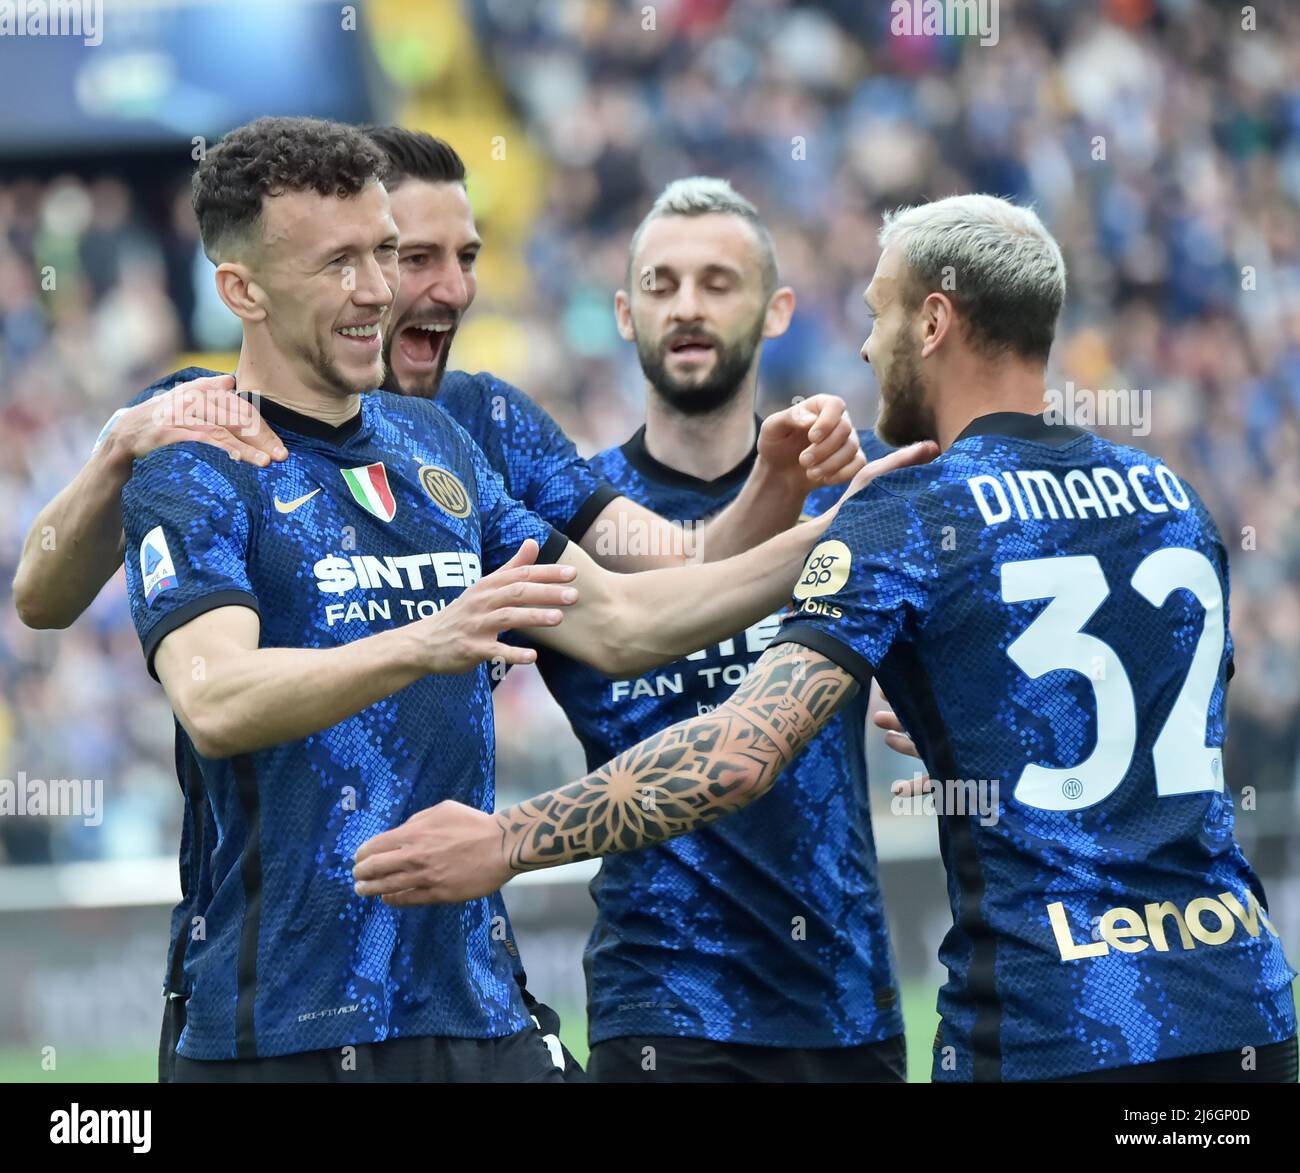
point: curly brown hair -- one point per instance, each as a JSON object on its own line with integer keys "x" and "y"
{"x": 270, "y": 156}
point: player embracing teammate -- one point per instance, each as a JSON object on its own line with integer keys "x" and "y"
{"x": 1043, "y": 607}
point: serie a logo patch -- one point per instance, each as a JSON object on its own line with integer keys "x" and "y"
{"x": 157, "y": 570}
{"x": 445, "y": 490}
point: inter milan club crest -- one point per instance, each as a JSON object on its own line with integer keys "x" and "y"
{"x": 445, "y": 490}
{"x": 369, "y": 487}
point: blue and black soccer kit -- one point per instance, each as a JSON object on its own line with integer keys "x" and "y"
{"x": 1048, "y": 613}
{"x": 754, "y": 948}
{"x": 366, "y": 526}
{"x": 540, "y": 468}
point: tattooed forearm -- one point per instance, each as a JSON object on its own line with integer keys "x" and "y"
{"x": 686, "y": 775}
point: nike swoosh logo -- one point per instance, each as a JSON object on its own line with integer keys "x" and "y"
{"x": 290, "y": 506}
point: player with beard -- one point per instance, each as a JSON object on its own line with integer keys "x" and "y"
{"x": 1046, "y": 609}
{"x": 321, "y": 627}
{"x": 756, "y": 948}
{"x": 538, "y": 463}
{"x": 807, "y": 445}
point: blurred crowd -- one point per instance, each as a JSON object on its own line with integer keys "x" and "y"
{"x": 1159, "y": 140}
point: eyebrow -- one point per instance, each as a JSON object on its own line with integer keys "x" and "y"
{"x": 430, "y": 247}
{"x": 341, "y": 246}
{"x": 713, "y": 269}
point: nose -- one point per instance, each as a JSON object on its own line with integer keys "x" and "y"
{"x": 373, "y": 285}
{"x": 450, "y": 287}
{"x": 866, "y": 358}
{"x": 686, "y": 305}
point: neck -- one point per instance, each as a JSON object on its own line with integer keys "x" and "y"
{"x": 702, "y": 446}
{"x": 982, "y": 389}
{"x": 267, "y": 372}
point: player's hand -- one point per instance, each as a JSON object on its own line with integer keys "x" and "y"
{"x": 896, "y": 737}
{"x": 518, "y": 594}
{"x": 813, "y": 442}
{"x": 443, "y": 854}
{"x": 205, "y": 410}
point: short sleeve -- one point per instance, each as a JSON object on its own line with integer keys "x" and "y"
{"x": 864, "y": 586}
{"x": 505, "y": 523}
{"x": 166, "y": 383}
{"x": 546, "y": 471}
{"x": 187, "y": 543}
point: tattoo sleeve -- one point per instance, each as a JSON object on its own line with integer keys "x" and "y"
{"x": 689, "y": 773}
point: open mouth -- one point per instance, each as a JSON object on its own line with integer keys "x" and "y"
{"x": 365, "y": 337}
{"x": 691, "y": 347}
{"x": 423, "y": 346}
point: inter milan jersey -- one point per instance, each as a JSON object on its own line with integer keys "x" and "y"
{"x": 366, "y": 527}
{"x": 540, "y": 468}
{"x": 1048, "y": 613}
{"x": 764, "y": 928}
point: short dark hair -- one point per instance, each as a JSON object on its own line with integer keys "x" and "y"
{"x": 271, "y": 156}
{"x": 413, "y": 154}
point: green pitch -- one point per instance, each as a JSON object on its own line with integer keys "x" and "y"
{"x": 919, "y": 1016}
{"x": 142, "y": 1066}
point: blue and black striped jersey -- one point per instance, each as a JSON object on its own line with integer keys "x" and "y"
{"x": 1048, "y": 613}
{"x": 540, "y": 468}
{"x": 764, "y": 928}
{"x": 365, "y": 527}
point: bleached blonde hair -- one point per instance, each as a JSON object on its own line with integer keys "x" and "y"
{"x": 995, "y": 259}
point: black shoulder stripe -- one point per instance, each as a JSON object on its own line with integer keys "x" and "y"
{"x": 833, "y": 649}
{"x": 590, "y": 509}
{"x": 192, "y": 610}
{"x": 553, "y": 549}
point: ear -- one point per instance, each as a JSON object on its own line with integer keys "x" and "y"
{"x": 623, "y": 316}
{"x": 938, "y": 318}
{"x": 780, "y": 309}
{"x": 242, "y": 295}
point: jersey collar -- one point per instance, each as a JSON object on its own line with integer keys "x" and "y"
{"x": 638, "y": 456}
{"x": 1021, "y": 426}
{"x": 279, "y": 416}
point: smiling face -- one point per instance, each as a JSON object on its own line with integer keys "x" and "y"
{"x": 894, "y": 351}
{"x": 697, "y": 308}
{"x": 327, "y": 271}
{"x": 439, "y": 247}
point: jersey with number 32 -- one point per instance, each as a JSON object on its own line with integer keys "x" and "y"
{"x": 1048, "y": 613}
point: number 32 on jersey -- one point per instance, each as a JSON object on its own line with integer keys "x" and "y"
{"x": 1076, "y": 586}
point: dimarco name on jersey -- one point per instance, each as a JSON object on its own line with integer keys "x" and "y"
{"x": 1034, "y": 494}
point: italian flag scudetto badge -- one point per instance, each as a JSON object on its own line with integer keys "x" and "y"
{"x": 369, "y": 485}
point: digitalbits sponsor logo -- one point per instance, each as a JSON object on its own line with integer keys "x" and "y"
{"x": 825, "y": 572}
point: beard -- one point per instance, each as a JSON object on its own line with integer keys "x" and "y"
{"x": 424, "y": 386}
{"x": 718, "y": 388}
{"x": 322, "y": 362}
{"x": 904, "y": 416}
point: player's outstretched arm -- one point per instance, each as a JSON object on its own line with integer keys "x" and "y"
{"x": 801, "y": 448}
{"x": 234, "y": 697}
{"x": 669, "y": 784}
{"x": 626, "y": 624}
{"x": 75, "y": 545}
